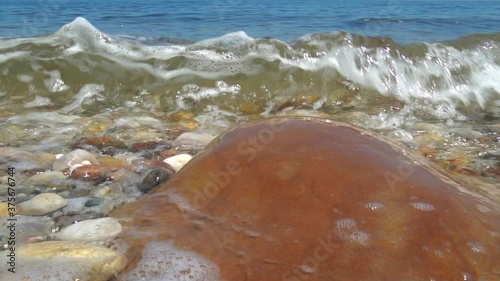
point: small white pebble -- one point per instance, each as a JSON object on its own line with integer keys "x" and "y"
{"x": 178, "y": 161}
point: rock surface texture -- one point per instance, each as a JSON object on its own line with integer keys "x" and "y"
{"x": 294, "y": 199}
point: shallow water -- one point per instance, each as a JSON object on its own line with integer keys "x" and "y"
{"x": 441, "y": 99}
{"x": 424, "y": 76}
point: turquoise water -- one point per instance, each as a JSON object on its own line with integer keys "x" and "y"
{"x": 404, "y": 21}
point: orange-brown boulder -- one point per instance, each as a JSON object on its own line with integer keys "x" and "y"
{"x": 294, "y": 199}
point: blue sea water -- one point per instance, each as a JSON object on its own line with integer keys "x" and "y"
{"x": 403, "y": 20}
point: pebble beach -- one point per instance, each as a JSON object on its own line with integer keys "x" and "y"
{"x": 92, "y": 120}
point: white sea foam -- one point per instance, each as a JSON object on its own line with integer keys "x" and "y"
{"x": 436, "y": 82}
{"x": 162, "y": 261}
{"x": 55, "y": 84}
{"x": 6, "y": 57}
{"x": 86, "y": 92}
{"x": 38, "y": 102}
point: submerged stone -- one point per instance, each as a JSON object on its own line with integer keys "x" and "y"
{"x": 289, "y": 199}
{"x": 62, "y": 260}
{"x": 42, "y": 204}
{"x": 94, "y": 230}
{"x": 153, "y": 179}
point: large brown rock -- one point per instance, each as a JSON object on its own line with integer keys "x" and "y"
{"x": 312, "y": 200}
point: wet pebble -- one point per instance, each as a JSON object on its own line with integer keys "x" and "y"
{"x": 112, "y": 162}
{"x": 153, "y": 179}
{"x": 166, "y": 153}
{"x": 42, "y": 204}
{"x": 26, "y": 227}
{"x": 66, "y": 220}
{"x": 148, "y": 145}
{"x": 178, "y": 161}
{"x": 92, "y": 202}
{"x": 94, "y": 230}
{"x": 24, "y": 160}
{"x": 76, "y": 156}
{"x": 102, "y": 192}
{"x": 75, "y": 205}
{"x": 101, "y": 142}
{"x": 193, "y": 140}
{"x": 46, "y": 179}
{"x": 92, "y": 172}
{"x": 159, "y": 164}
{"x": 64, "y": 260}
{"x": 125, "y": 182}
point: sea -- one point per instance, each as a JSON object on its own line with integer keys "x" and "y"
{"x": 425, "y": 74}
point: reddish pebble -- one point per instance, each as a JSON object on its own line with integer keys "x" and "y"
{"x": 148, "y": 145}
{"x": 164, "y": 154}
{"x": 159, "y": 164}
{"x": 92, "y": 172}
{"x": 34, "y": 239}
{"x": 493, "y": 170}
{"x": 101, "y": 142}
{"x": 468, "y": 172}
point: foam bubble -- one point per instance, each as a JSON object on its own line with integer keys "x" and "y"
{"x": 359, "y": 237}
{"x": 347, "y": 230}
{"x": 55, "y": 84}
{"x": 374, "y": 205}
{"x": 25, "y": 78}
{"x": 38, "y": 102}
{"x": 162, "y": 261}
{"x": 307, "y": 269}
{"x": 344, "y": 224}
{"x": 426, "y": 207}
